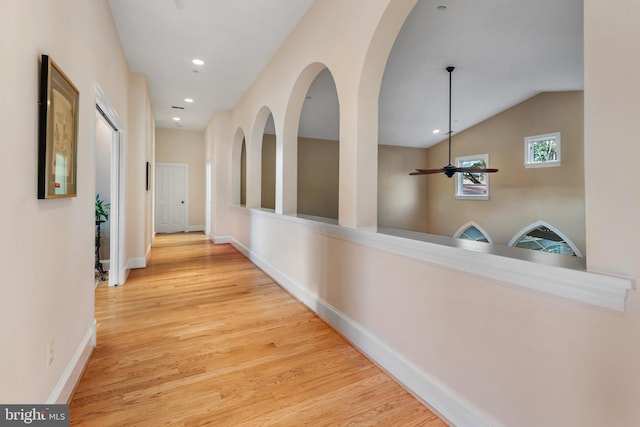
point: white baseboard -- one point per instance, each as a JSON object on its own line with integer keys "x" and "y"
{"x": 218, "y": 240}
{"x": 446, "y": 402}
{"x": 139, "y": 262}
{"x": 71, "y": 375}
{"x": 192, "y": 228}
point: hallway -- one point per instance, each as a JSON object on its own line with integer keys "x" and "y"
{"x": 203, "y": 337}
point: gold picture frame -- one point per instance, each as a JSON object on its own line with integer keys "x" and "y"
{"x": 57, "y": 133}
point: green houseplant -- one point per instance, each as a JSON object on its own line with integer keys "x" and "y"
{"x": 102, "y": 210}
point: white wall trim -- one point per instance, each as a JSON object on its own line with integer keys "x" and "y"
{"x": 138, "y": 262}
{"x": 193, "y": 228}
{"x": 71, "y": 375}
{"x": 221, "y": 239}
{"x": 436, "y": 395}
{"x": 486, "y": 260}
{"x": 479, "y": 258}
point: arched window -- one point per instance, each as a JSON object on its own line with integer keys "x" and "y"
{"x": 541, "y": 236}
{"x": 472, "y": 231}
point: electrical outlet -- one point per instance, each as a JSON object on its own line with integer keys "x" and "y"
{"x": 50, "y": 353}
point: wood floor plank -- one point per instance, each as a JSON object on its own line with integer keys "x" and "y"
{"x": 203, "y": 337}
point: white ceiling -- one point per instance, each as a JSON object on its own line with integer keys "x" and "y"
{"x": 235, "y": 38}
{"x": 504, "y": 51}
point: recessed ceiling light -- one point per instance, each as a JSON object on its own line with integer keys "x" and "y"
{"x": 189, "y": 100}
{"x": 198, "y": 62}
{"x": 436, "y": 131}
{"x": 176, "y": 119}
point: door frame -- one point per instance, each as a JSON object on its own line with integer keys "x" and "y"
{"x": 116, "y": 218}
{"x": 207, "y": 201}
{"x": 184, "y": 166}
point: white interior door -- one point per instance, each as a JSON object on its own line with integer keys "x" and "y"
{"x": 171, "y": 197}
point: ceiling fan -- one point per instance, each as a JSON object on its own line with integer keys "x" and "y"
{"x": 450, "y": 170}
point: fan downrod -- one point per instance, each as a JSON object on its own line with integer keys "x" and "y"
{"x": 451, "y": 170}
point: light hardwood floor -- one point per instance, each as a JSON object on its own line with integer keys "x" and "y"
{"x": 203, "y": 337}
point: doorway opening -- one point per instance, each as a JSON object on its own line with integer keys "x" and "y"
{"x": 108, "y": 184}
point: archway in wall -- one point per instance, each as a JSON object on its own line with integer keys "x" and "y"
{"x": 499, "y": 98}
{"x": 243, "y": 174}
{"x": 318, "y": 150}
{"x": 239, "y": 170}
{"x": 268, "y": 178}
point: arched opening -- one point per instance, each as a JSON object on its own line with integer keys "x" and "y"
{"x": 239, "y": 170}
{"x": 318, "y": 150}
{"x": 243, "y": 174}
{"x": 499, "y": 98}
{"x": 268, "y": 177}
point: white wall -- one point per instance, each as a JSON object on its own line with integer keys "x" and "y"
{"x": 482, "y": 351}
{"x": 47, "y": 250}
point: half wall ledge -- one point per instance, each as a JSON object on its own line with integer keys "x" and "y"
{"x": 562, "y": 276}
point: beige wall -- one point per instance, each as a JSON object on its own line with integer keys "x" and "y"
{"x": 268, "y": 180}
{"x": 243, "y": 175}
{"x": 500, "y": 351}
{"x": 318, "y": 161}
{"x": 402, "y": 199}
{"x": 181, "y": 146}
{"x": 47, "y": 251}
{"x": 519, "y": 196}
{"x": 139, "y": 143}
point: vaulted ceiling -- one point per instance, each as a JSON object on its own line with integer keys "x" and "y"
{"x": 504, "y": 51}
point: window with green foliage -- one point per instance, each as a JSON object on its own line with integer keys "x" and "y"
{"x": 542, "y": 150}
{"x": 472, "y": 185}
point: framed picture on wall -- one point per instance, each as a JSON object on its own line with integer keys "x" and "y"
{"x": 57, "y": 133}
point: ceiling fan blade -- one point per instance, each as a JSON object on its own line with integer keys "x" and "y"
{"x": 476, "y": 170}
{"x": 426, "y": 171}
